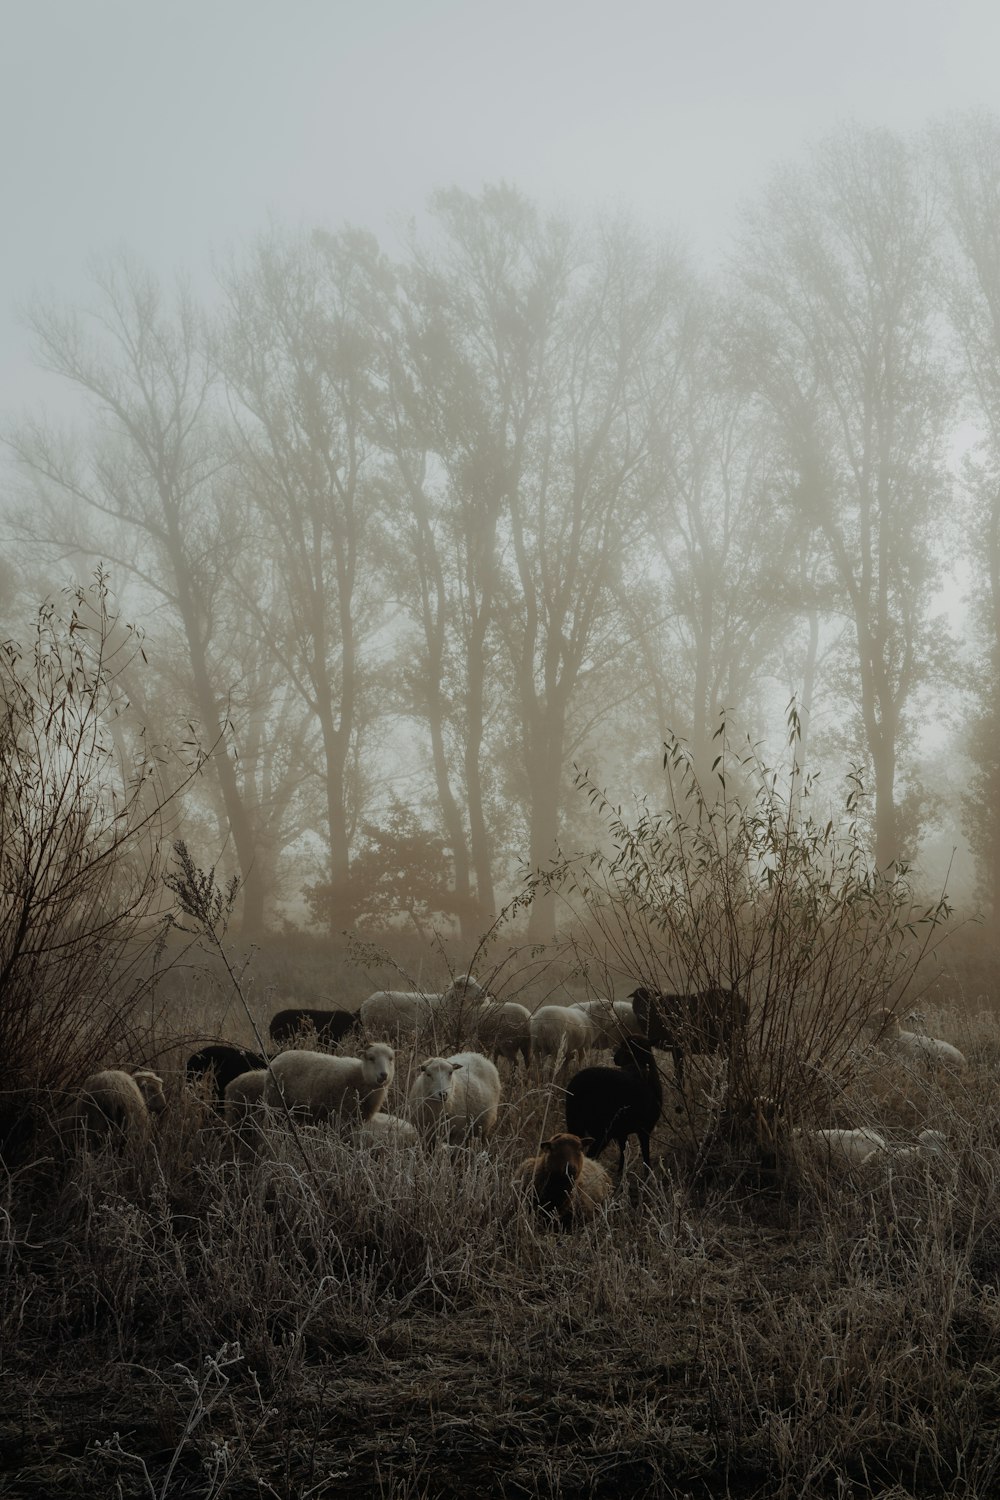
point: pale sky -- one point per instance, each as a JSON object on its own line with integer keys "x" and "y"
{"x": 176, "y": 127}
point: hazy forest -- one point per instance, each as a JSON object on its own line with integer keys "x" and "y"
{"x": 523, "y": 600}
{"x": 409, "y": 539}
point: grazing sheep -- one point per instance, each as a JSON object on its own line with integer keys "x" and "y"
{"x": 561, "y": 1029}
{"x": 225, "y": 1061}
{"x": 243, "y": 1096}
{"x": 613, "y": 1020}
{"x": 463, "y": 987}
{"x": 561, "y": 1182}
{"x": 842, "y": 1148}
{"x": 504, "y": 1028}
{"x": 705, "y": 1021}
{"x": 914, "y": 1046}
{"x": 114, "y": 1104}
{"x": 386, "y": 1130}
{"x": 398, "y": 1013}
{"x": 610, "y": 1104}
{"x": 331, "y": 1088}
{"x": 330, "y": 1026}
{"x": 460, "y": 1093}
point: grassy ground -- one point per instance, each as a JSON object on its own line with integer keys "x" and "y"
{"x": 180, "y": 1322}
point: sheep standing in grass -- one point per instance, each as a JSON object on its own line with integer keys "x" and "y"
{"x": 458, "y": 1095}
{"x": 398, "y": 1013}
{"x": 704, "y": 1021}
{"x": 331, "y": 1088}
{"x": 914, "y": 1046}
{"x": 504, "y": 1028}
{"x": 224, "y": 1061}
{"x": 244, "y": 1095}
{"x": 561, "y": 1030}
{"x": 243, "y": 1101}
{"x": 114, "y": 1104}
{"x": 329, "y": 1025}
{"x": 610, "y": 1104}
{"x": 613, "y": 1020}
{"x": 562, "y": 1182}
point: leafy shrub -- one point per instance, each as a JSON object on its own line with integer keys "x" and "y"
{"x": 744, "y": 885}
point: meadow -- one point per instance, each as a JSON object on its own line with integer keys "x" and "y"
{"x": 180, "y": 1320}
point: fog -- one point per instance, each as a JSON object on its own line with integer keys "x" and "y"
{"x": 459, "y": 398}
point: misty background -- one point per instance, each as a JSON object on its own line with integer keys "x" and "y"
{"x": 458, "y": 396}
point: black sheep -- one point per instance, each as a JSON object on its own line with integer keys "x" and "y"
{"x": 610, "y": 1104}
{"x": 330, "y": 1025}
{"x": 225, "y": 1061}
{"x": 705, "y": 1021}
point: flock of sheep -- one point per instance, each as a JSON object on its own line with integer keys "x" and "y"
{"x": 457, "y": 1098}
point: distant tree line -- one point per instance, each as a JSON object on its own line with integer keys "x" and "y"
{"x": 409, "y": 537}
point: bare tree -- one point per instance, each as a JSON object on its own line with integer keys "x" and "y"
{"x": 297, "y": 365}
{"x": 837, "y": 264}
{"x": 142, "y": 490}
{"x": 967, "y": 154}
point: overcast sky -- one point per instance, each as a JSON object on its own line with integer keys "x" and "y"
{"x": 176, "y": 127}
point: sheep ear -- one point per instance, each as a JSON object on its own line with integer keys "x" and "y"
{"x": 455, "y": 1067}
{"x": 586, "y": 1141}
{"x": 546, "y": 1146}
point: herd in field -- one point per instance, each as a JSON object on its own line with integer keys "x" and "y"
{"x": 456, "y": 1099}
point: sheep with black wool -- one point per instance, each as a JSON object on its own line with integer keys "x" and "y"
{"x": 330, "y": 1026}
{"x": 610, "y": 1104}
{"x": 224, "y": 1061}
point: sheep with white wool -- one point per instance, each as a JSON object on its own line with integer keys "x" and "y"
{"x": 402, "y": 1013}
{"x": 613, "y": 1020}
{"x": 563, "y": 1183}
{"x": 243, "y": 1100}
{"x": 561, "y": 1031}
{"x": 340, "y": 1089}
{"x": 914, "y": 1046}
{"x": 503, "y": 1027}
{"x": 114, "y": 1104}
{"x": 842, "y": 1148}
{"x": 387, "y": 1130}
{"x": 456, "y": 1096}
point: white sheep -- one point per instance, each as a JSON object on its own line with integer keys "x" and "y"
{"x": 504, "y": 1028}
{"x": 387, "y": 1130}
{"x": 931, "y": 1144}
{"x": 561, "y": 1029}
{"x": 459, "y": 1095}
{"x": 613, "y": 1020}
{"x": 843, "y": 1148}
{"x": 331, "y": 1088}
{"x": 244, "y": 1095}
{"x": 398, "y": 1013}
{"x": 116, "y": 1103}
{"x": 914, "y": 1046}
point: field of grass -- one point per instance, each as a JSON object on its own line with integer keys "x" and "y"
{"x": 181, "y": 1322}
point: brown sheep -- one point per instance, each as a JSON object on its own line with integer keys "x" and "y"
{"x": 114, "y": 1103}
{"x": 563, "y": 1182}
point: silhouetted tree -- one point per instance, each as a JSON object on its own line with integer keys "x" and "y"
{"x": 837, "y": 264}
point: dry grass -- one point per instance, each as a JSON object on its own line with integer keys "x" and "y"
{"x": 181, "y": 1322}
